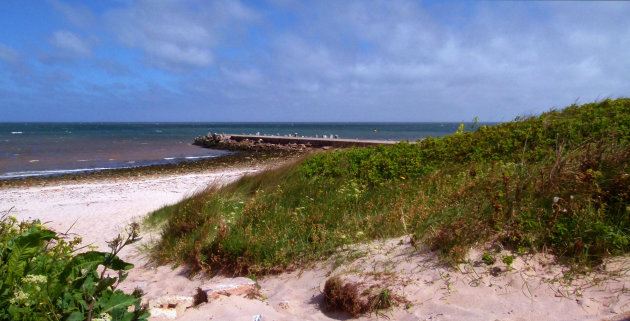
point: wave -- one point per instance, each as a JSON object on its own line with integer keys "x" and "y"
{"x": 16, "y": 133}
{"x": 133, "y": 164}
{"x": 52, "y": 172}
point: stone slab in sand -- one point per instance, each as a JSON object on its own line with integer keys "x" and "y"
{"x": 98, "y": 211}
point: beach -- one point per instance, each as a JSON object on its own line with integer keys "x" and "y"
{"x": 315, "y": 160}
{"x": 98, "y": 211}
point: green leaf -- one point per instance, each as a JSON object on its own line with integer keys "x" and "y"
{"x": 117, "y": 264}
{"x": 104, "y": 284}
{"x": 83, "y": 261}
{"x": 23, "y": 248}
{"x": 75, "y": 316}
{"x": 117, "y": 299}
{"x": 31, "y": 241}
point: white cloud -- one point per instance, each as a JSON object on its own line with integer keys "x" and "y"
{"x": 360, "y": 60}
{"x": 243, "y": 77}
{"x": 501, "y": 59}
{"x": 179, "y": 34}
{"x": 79, "y": 15}
{"x": 70, "y": 44}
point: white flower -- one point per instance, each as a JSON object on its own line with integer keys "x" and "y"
{"x": 103, "y": 317}
{"x": 32, "y": 278}
{"x": 19, "y": 296}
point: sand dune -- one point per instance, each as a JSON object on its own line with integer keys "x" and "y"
{"x": 98, "y": 211}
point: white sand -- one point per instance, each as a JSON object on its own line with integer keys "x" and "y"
{"x": 101, "y": 210}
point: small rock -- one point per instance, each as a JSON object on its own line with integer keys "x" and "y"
{"x": 495, "y": 271}
{"x": 237, "y": 286}
{"x": 170, "y": 306}
{"x": 284, "y": 305}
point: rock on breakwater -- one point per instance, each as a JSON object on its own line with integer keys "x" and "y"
{"x": 261, "y": 142}
{"x": 253, "y": 143}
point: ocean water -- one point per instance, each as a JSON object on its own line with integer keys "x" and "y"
{"x": 36, "y": 149}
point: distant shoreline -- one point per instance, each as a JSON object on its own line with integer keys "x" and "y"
{"x": 234, "y": 160}
{"x": 86, "y": 170}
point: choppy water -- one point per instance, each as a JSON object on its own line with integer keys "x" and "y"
{"x": 35, "y": 149}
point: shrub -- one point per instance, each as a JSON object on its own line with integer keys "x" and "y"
{"x": 526, "y": 140}
{"x": 43, "y": 278}
{"x": 487, "y": 258}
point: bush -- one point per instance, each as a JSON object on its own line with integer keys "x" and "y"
{"x": 526, "y": 140}
{"x": 43, "y": 278}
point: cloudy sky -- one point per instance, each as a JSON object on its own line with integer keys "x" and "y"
{"x": 284, "y": 60}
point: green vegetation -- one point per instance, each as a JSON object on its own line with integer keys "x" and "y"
{"x": 43, "y": 278}
{"x": 487, "y": 258}
{"x": 558, "y": 181}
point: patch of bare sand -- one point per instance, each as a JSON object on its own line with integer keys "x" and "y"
{"x": 532, "y": 289}
{"x": 99, "y": 211}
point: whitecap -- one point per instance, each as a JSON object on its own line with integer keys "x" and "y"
{"x": 198, "y": 157}
{"x": 51, "y": 172}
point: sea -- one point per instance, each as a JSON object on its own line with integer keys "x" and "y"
{"x": 46, "y": 149}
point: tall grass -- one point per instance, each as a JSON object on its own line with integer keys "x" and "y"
{"x": 558, "y": 181}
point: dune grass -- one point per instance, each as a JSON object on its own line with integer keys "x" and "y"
{"x": 558, "y": 181}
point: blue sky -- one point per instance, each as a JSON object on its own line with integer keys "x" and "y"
{"x": 284, "y": 60}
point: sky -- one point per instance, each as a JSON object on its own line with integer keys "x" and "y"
{"x": 284, "y": 60}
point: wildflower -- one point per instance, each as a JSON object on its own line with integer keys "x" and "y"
{"x": 32, "y": 278}
{"x": 19, "y": 297}
{"x": 103, "y": 317}
{"x": 402, "y": 177}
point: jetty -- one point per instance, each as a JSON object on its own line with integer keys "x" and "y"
{"x": 312, "y": 141}
{"x": 240, "y": 142}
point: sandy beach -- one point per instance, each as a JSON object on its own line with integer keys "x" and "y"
{"x": 531, "y": 290}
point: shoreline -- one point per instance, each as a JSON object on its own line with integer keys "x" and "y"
{"x": 99, "y": 209}
{"x": 240, "y": 159}
{"x": 51, "y": 172}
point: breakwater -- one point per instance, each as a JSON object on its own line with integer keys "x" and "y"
{"x": 262, "y": 142}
